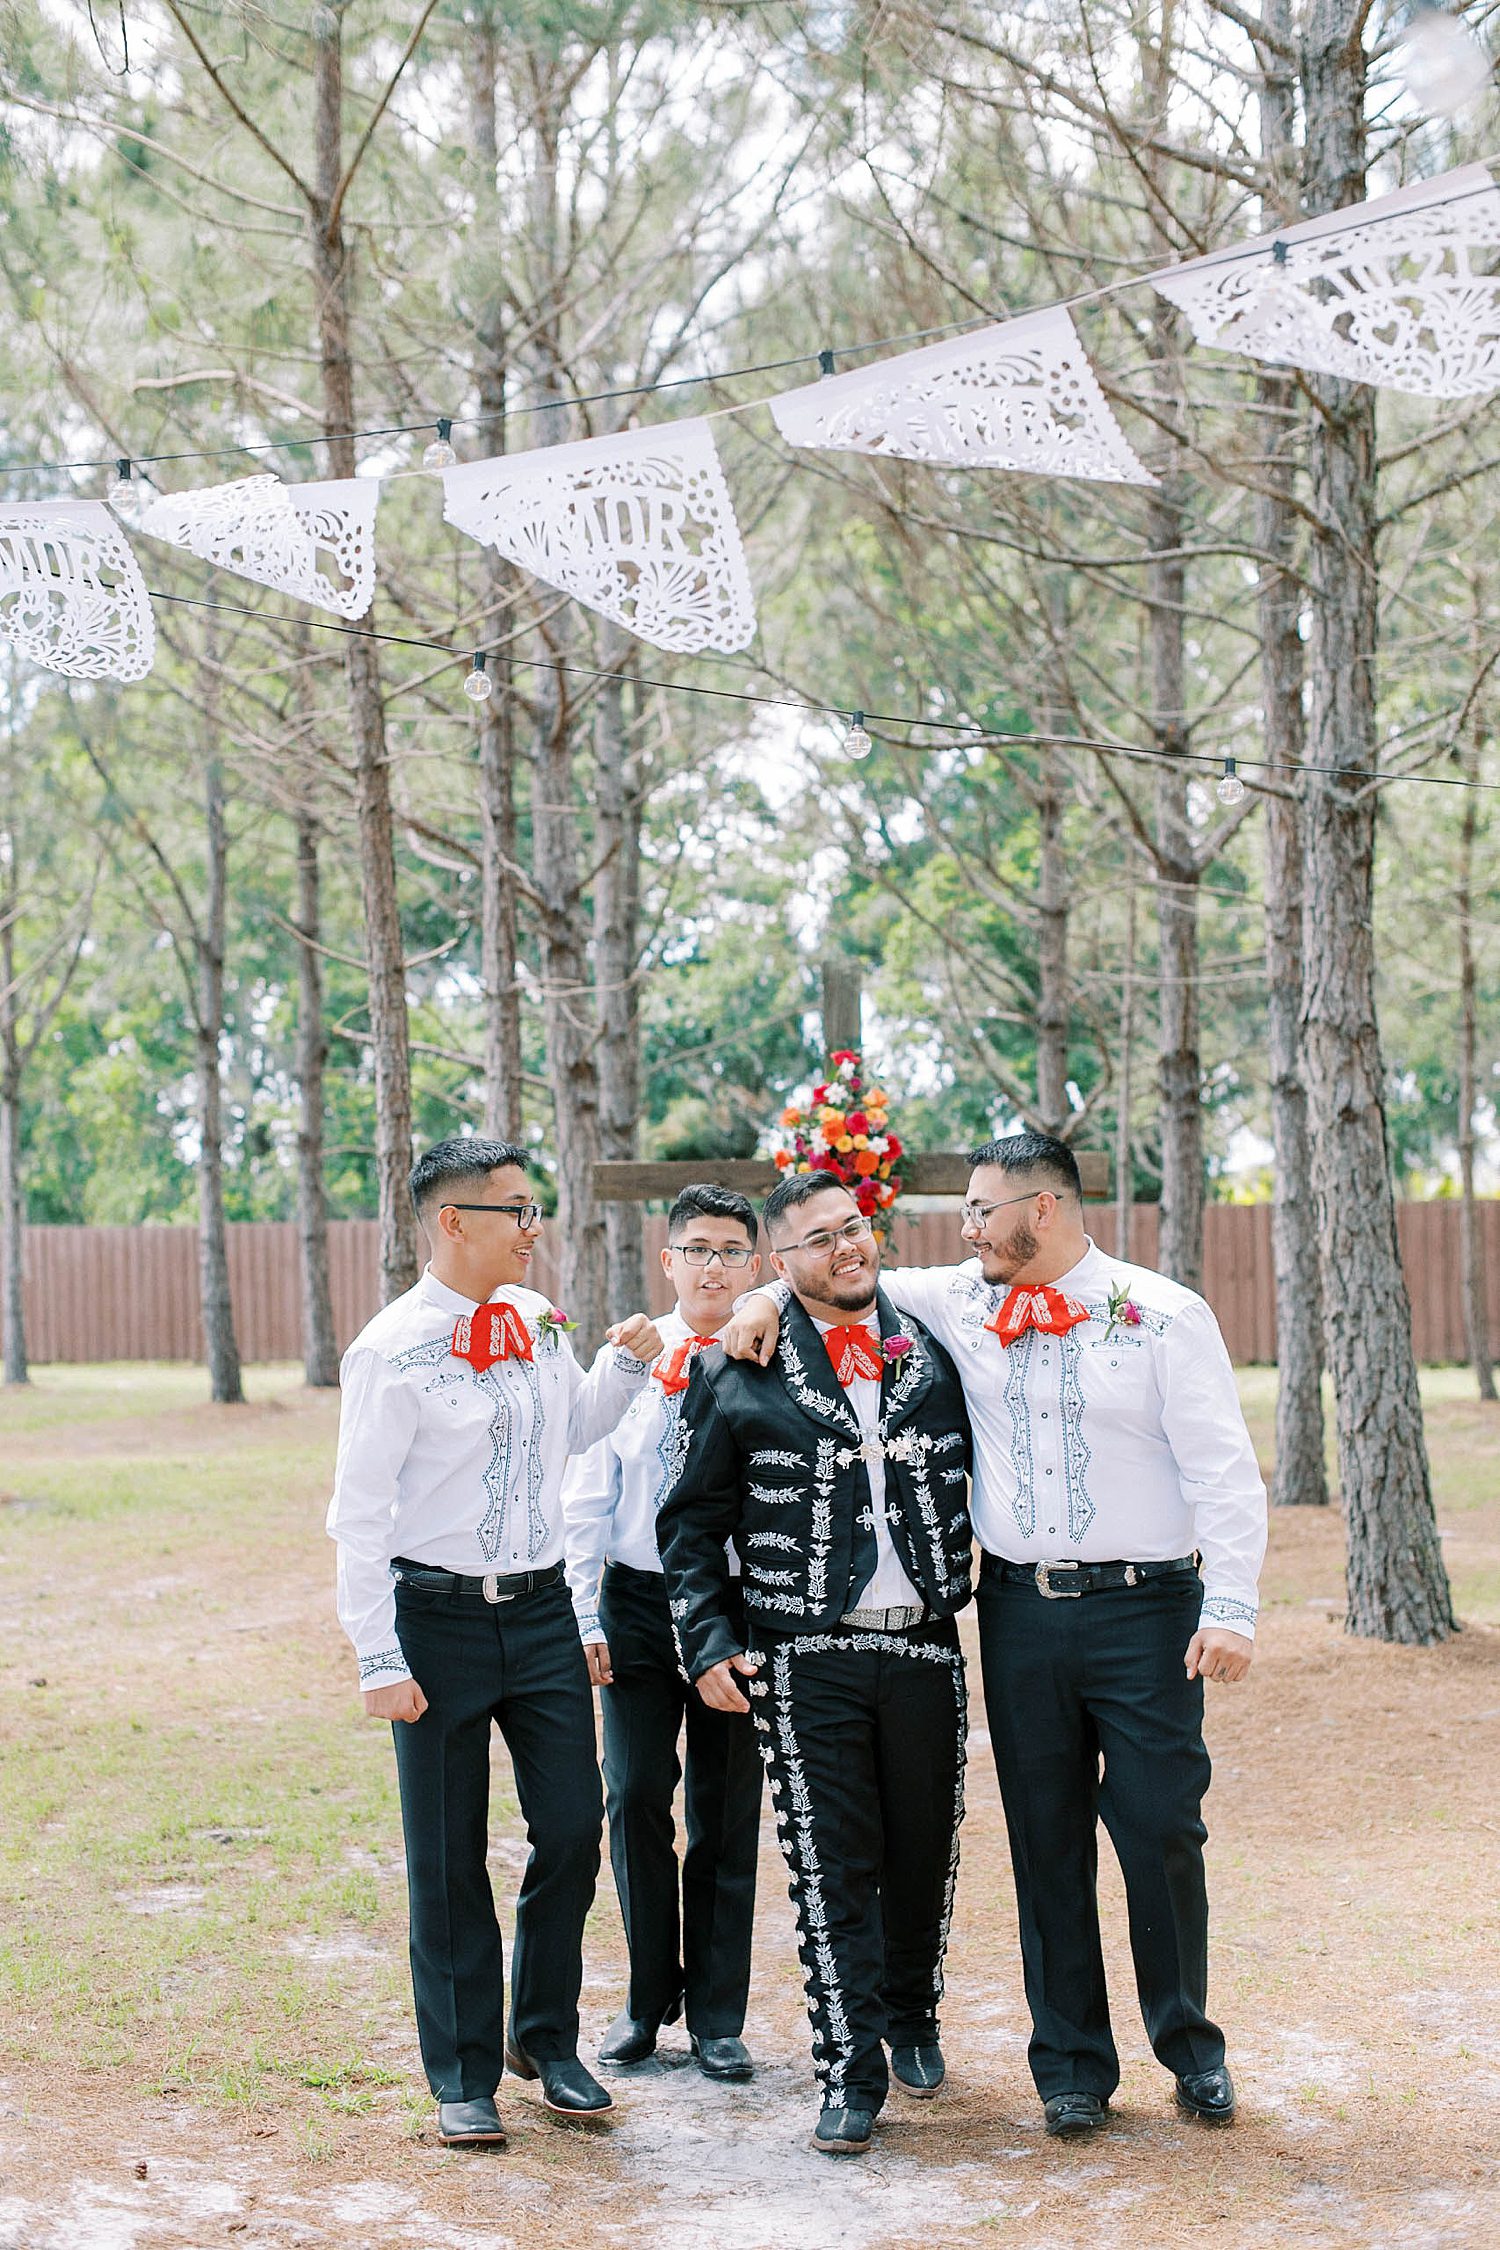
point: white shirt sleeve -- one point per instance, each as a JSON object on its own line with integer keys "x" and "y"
{"x": 1221, "y": 1481}
{"x": 598, "y": 1399}
{"x": 377, "y": 1421}
{"x": 590, "y": 1491}
{"x": 918, "y": 1290}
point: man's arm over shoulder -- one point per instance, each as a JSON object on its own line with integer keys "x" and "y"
{"x": 697, "y": 1516}
{"x": 1221, "y": 1480}
{"x": 377, "y": 1422}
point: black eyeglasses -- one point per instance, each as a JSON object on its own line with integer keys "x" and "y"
{"x": 704, "y": 1253}
{"x": 524, "y": 1214}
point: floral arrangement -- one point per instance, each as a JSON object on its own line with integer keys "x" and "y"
{"x": 844, "y": 1130}
{"x": 1123, "y": 1311}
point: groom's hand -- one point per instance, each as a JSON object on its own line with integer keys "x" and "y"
{"x": 404, "y": 1700}
{"x": 717, "y": 1685}
{"x": 751, "y": 1332}
{"x": 1214, "y": 1654}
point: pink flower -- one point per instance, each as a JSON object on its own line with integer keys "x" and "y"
{"x": 895, "y": 1347}
{"x": 1130, "y": 1313}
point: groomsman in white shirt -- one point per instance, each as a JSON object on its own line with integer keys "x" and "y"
{"x": 461, "y": 1403}
{"x": 1123, "y": 1522}
{"x": 688, "y": 1930}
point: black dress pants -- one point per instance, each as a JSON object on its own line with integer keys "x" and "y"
{"x": 1092, "y": 1717}
{"x": 517, "y": 1665}
{"x": 694, "y": 1941}
{"x": 863, "y": 1738}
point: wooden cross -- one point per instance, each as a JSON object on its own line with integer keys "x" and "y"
{"x": 943, "y": 1172}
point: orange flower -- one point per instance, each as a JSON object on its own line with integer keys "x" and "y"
{"x": 865, "y": 1162}
{"x": 833, "y": 1126}
{"x": 783, "y": 1160}
{"x": 791, "y": 1117}
{"x": 877, "y": 1098}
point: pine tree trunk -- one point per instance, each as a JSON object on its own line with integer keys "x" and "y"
{"x": 384, "y": 952}
{"x": 1124, "y": 1168}
{"x": 1476, "y": 1312}
{"x": 1053, "y": 998}
{"x": 1301, "y": 1475}
{"x": 219, "y": 1340}
{"x": 1397, "y": 1585}
{"x": 320, "y": 1351}
{"x": 616, "y": 970}
{"x": 12, "y": 1195}
{"x": 499, "y": 918}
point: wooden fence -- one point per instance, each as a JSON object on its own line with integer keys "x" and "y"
{"x": 105, "y": 1293}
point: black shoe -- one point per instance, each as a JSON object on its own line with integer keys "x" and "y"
{"x": 844, "y": 2132}
{"x": 918, "y": 2067}
{"x": 473, "y": 2124}
{"x": 728, "y": 2059}
{"x": 1070, "y": 2116}
{"x": 1208, "y": 2094}
{"x": 568, "y": 2090}
{"x": 629, "y": 2039}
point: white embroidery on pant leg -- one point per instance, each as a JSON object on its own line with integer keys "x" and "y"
{"x": 812, "y": 1911}
{"x": 961, "y": 1720}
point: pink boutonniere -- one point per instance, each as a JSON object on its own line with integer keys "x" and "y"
{"x": 895, "y": 1348}
{"x": 553, "y": 1323}
{"x": 1123, "y": 1311}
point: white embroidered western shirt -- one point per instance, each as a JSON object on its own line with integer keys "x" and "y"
{"x": 889, "y": 1588}
{"x": 611, "y": 1494}
{"x": 452, "y": 1467}
{"x": 1123, "y": 1444}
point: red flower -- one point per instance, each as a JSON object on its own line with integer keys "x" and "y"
{"x": 845, "y": 1054}
{"x": 820, "y": 1094}
{"x": 867, "y": 1196}
{"x": 856, "y": 1122}
{"x": 892, "y": 1145}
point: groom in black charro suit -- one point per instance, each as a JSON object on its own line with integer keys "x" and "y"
{"x": 840, "y": 1473}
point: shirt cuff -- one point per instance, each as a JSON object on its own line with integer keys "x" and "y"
{"x": 1228, "y": 1610}
{"x": 589, "y": 1627}
{"x": 386, "y": 1668}
{"x": 635, "y": 1370}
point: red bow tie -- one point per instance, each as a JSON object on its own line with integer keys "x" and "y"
{"x": 854, "y": 1352}
{"x": 1030, "y": 1306}
{"x": 672, "y": 1369}
{"x": 490, "y": 1333}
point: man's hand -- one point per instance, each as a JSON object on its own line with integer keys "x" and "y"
{"x": 596, "y": 1656}
{"x": 1216, "y": 1654}
{"x": 751, "y": 1332}
{"x": 636, "y": 1336}
{"x": 717, "y": 1686}
{"x": 403, "y": 1700}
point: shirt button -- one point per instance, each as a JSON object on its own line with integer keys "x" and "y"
{"x": 1044, "y": 1414}
{"x": 1051, "y": 1530}
{"x": 1049, "y": 1472}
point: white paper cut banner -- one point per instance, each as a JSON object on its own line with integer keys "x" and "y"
{"x": 639, "y": 527}
{"x": 72, "y": 596}
{"x": 1020, "y": 395}
{"x": 313, "y": 541}
{"x": 1382, "y": 292}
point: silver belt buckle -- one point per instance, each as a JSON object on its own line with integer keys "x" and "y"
{"x": 491, "y": 1588}
{"x": 1053, "y": 1593}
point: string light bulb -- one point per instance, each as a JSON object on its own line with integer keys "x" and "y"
{"x": 857, "y": 742}
{"x": 478, "y": 686}
{"x": 124, "y": 495}
{"x": 439, "y": 455}
{"x": 1229, "y": 789}
{"x": 1442, "y": 61}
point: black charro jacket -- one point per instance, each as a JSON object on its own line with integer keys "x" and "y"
{"x": 770, "y": 1459}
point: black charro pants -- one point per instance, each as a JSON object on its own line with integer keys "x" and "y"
{"x": 863, "y": 1738}
{"x": 1092, "y": 1717}
{"x": 693, "y": 1941}
{"x": 517, "y": 1665}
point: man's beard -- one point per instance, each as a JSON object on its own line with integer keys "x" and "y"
{"x": 854, "y": 1294}
{"x": 1017, "y": 1250}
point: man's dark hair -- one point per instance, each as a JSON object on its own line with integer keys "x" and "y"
{"x": 705, "y": 1202}
{"x": 797, "y": 1188}
{"x": 463, "y": 1160}
{"x": 1026, "y": 1153}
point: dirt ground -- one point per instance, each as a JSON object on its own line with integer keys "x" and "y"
{"x": 205, "y": 2026}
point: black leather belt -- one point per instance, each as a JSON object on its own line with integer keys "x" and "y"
{"x": 491, "y": 1588}
{"x": 1064, "y": 1581}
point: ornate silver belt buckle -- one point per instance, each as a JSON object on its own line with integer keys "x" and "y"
{"x": 491, "y": 1588}
{"x": 1053, "y": 1593}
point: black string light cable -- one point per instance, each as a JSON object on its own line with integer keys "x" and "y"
{"x": 857, "y": 741}
{"x": 823, "y": 359}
